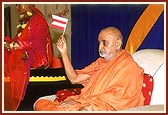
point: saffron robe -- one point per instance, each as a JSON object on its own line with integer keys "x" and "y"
{"x": 113, "y": 85}
{"x": 36, "y": 41}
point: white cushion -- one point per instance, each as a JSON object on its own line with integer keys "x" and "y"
{"x": 149, "y": 59}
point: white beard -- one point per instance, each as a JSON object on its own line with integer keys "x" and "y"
{"x": 102, "y": 54}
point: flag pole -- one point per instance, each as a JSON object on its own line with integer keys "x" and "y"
{"x": 63, "y": 33}
{"x": 64, "y": 29}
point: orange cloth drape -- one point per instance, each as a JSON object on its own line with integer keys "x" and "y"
{"x": 113, "y": 86}
{"x": 143, "y": 26}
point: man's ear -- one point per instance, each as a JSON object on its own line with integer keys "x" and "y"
{"x": 118, "y": 44}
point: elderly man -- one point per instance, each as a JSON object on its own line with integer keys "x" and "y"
{"x": 113, "y": 82}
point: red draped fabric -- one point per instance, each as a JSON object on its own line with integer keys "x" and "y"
{"x": 14, "y": 88}
{"x": 36, "y": 41}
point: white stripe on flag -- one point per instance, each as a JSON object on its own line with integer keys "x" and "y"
{"x": 59, "y": 22}
{"x": 59, "y": 18}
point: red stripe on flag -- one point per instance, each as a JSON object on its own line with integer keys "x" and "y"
{"x": 58, "y": 27}
{"x": 62, "y": 22}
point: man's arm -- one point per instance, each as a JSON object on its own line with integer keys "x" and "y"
{"x": 70, "y": 72}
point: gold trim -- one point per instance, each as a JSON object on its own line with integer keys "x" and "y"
{"x": 46, "y": 78}
{"x": 41, "y": 78}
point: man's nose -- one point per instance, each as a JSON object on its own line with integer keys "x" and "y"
{"x": 101, "y": 46}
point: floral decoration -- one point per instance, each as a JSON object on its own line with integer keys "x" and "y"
{"x": 23, "y": 19}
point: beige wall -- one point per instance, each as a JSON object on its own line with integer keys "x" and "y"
{"x": 47, "y": 9}
{"x": 14, "y": 17}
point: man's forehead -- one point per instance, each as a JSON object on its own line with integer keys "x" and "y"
{"x": 105, "y": 36}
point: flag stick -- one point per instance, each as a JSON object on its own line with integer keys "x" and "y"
{"x": 64, "y": 31}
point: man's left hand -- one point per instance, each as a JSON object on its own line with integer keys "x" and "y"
{"x": 68, "y": 102}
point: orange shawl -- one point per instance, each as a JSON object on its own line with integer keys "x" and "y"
{"x": 113, "y": 85}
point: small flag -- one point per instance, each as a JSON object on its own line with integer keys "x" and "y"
{"x": 59, "y": 23}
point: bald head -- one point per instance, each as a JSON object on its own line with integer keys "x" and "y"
{"x": 114, "y": 31}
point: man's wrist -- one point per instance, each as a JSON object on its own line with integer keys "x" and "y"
{"x": 64, "y": 54}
